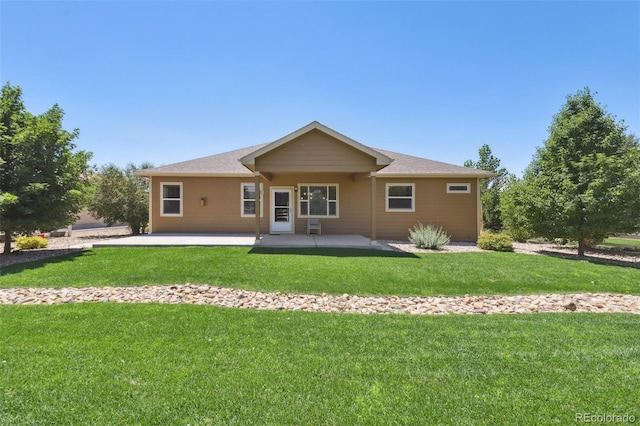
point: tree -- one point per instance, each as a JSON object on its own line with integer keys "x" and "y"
{"x": 513, "y": 213}
{"x": 584, "y": 183}
{"x": 118, "y": 195}
{"x": 490, "y": 188}
{"x": 42, "y": 178}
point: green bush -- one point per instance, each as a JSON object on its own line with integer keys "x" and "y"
{"x": 519, "y": 234}
{"x": 495, "y": 242}
{"x": 30, "y": 243}
{"x": 428, "y": 237}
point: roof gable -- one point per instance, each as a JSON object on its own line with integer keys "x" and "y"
{"x": 380, "y": 159}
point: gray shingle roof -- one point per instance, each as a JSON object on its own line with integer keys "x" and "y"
{"x": 224, "y": 164}
{"x": 406, "y": 165}
{"x": 228, "y": 163}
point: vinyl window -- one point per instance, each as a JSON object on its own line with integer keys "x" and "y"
{"x": 171, "y": 198}
{"x": 458, "y": 188}
{"x": 400, "y": 197}
{"x": 318, "y": 200}
{"x": 248, "y": 200}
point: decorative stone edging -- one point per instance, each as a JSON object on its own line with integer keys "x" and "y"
{"x": 234, "y": 298}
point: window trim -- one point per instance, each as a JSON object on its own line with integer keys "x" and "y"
{"x": 413, "y": 197}
{"x": 458, "y": 191}
{"x": 310, "y": 216}
{"x": 242, "y": 199}
{"x": 162, "y": 199}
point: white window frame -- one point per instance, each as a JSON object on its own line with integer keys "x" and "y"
{"x": 314, "y": 216}
{"x": 458, "y": 191}
{"x": 242, "y": 199}
{"x": 387, "y": 197}
{"x": 162, "y": 199}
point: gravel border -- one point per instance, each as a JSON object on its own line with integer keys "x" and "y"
{"x": 243, "y": 299}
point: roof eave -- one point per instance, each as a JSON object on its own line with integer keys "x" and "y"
{"x": 190, "y": 174}
{"x": 437, "y": 175}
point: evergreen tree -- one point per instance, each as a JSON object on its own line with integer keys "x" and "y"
{"x": 584, "y": 183}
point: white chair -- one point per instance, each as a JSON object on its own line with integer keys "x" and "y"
{"x": 314, "y": 225}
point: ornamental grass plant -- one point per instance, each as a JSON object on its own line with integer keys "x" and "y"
{"x": 428, "y": 237}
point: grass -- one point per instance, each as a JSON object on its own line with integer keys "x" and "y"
{"x": 332, "y": 271}
{"x": 183, "y": 364}
{"x": 621, "y": 243}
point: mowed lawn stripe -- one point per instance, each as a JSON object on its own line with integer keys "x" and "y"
{"x": 159, "y": 364}
{"x": 332, "y": 271}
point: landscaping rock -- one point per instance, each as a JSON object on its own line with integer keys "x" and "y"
{"x": 234, "y": 298}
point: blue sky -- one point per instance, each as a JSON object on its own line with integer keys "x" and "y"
{"x": 166, "y": 81}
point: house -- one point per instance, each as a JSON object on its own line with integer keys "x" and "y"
{"x": 314, "y": 173}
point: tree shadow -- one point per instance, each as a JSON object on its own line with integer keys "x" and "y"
{"x": 9, "y": 266}
{"x": 332, "y": 252}
{"x": 595, "y": 259}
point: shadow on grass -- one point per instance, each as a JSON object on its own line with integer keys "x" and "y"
{"x": 53, "y": 256}
{"x": 619, "y": 247}
{"x": 331, "y": 252}
{"x": 593, "y": 259}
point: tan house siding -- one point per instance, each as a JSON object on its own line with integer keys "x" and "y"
{"x": 315, "y": 151}
{"x": 456, "y": 213}
{"x": 220, "y": 214}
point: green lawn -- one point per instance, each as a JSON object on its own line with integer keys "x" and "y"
{"x": 624, "y": 243}
{"x": 161, "y": 364}
{"x": 332, "y": 271}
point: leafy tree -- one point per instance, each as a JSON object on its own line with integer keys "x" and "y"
{"x": 41, "y": 176}
{"x": 118, "y": 195}
{"x": 513, "y": 213}
{"x": 490, "y": 188}
{"x": 584, "y": 183}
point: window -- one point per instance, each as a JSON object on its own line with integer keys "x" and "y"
{"x": 171, "y": 198}
{"x": 248, "y": 200}
{"x": 458, "y": 188}
{"x": 317, "y": 200}
{"x": 400, "y": 197}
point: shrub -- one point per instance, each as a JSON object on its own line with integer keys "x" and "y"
{"x": 519, "y": 234}
{"x": 30, "y": 243}
{"x": 495, "y": 242}
{"x": 428, "y": 237}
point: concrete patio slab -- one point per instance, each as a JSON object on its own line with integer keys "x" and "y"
{"x": 247, "y": 240}
{"x": 298, "y": 240}
{"x": 152, "y": 240}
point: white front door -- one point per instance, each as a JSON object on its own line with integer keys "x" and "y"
{"x": 281, "y": 210}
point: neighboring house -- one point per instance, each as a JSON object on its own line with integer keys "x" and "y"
{"x": 314, "y": 172}
{"x": 86, "y": 221}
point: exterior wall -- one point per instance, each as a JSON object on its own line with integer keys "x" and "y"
{"x": 220, "y": 214}
{"x": 315, "y": 151}
{"x": 456, "y": 213}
